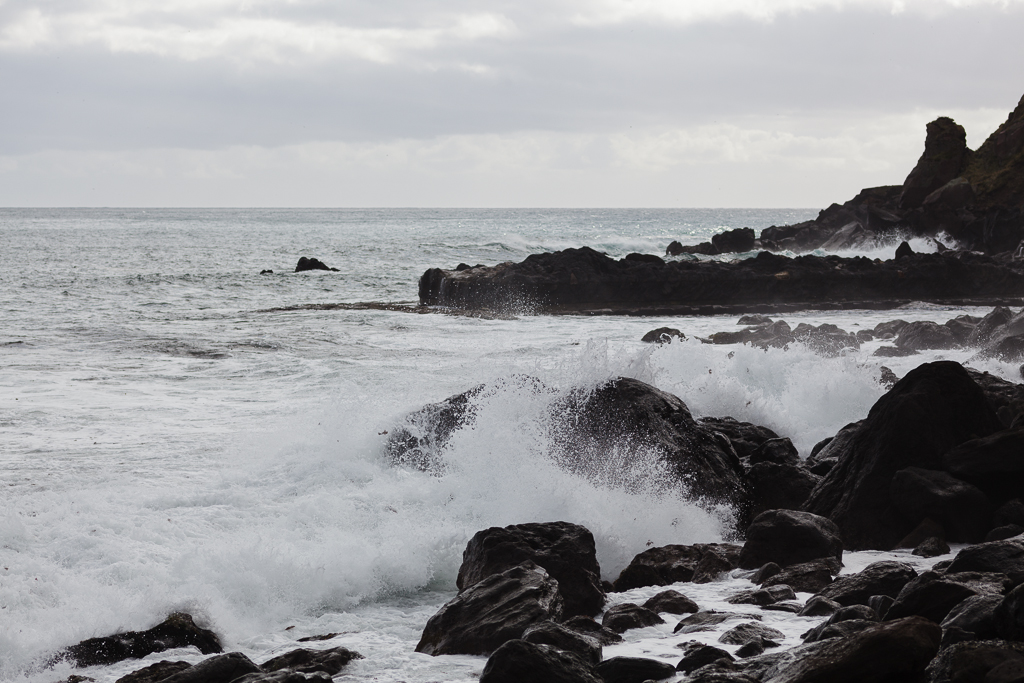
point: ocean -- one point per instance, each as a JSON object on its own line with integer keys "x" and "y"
{"x": 182, "y": 432}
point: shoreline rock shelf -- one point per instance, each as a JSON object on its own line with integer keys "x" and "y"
{"x": 586, "y": 281}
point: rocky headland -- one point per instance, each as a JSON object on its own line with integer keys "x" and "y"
{"x": 971, "y": 199}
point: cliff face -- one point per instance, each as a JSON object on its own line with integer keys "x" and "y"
{"x": 945, "y": 157}
{"x": 996, "y": 171}
{"x": 974, "y": 198}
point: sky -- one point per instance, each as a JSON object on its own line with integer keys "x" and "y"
{"x": 474, "y": 103}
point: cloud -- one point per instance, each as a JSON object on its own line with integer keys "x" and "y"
{"x": 720, "y": 165}
{"x": 256, "y": 33}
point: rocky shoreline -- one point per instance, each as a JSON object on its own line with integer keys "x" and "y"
{"x": 937, "y": 460}
{"x": 971, "y": 199}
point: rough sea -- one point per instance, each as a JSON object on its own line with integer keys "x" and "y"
{"x": 180, "y": 432}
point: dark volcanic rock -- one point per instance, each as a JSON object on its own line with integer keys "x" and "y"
{"x": 671, "y": 602}
{"x": 742, "y": 634}
{"x": 586, "y": 280}
{"x": 698, "y": 654}
{"x": 891, "y": 652}
{"x": 633, "y": 670}
{"x": 819, "y": 606}
{"x": 154, "y": 672}
{"x": 585, "y": 647}
{"x": 623, "y": 617}
{"x": 806, "y": 577}
{"x": 879, "y": 578}
{"x": 662, "y": 335}
{"x": 945, "y": 157}
{"x": 518, "y": 661}
{"x": 995, "y": 169}
{"x": 779, "y": 487}
{"x": 975, "y": 615}
{"x": 1008, "y": 617}
{"x": 590, "y": 628}
{"x": 993, "y": 463}
{"x": 931, "y": 547}
{"x": 933, "y": 409}
{"x": 745, "y": 437}
{"x": 565, "y": 550}
{"x": 1005, "y": 398}
{"x": 493, "y": 611}
{"x": 312, "y": 264}
{"x": 717, "y": 559}
{"x": 924, "y": 334}
{"x": 970, "y": 662}
{"x": 734, "y": 241}
{"x": 963, "y": 511}
{"x": 302, "y": 660}
{"x": 178, "y": 630}
{"x": 1002, "y": 557}
{"x": 226, "y": 667}
{"x": 789, "y": 537}
{"x": 841, "y": 629}
{"x": 626, "y": 418}
{"x": 928, "y": 596}
{"x": 780, "y": 451}
{"x": 660, "y": 566}
{"x": 707, "y": 621}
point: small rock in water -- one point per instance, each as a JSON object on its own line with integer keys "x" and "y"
{"x": 663, "y": 335}
{"x": 312, "y": 264}
{"x": 903, "y": 251}
{"x": 626, "y": 616}
{"x": 671, "y": 602}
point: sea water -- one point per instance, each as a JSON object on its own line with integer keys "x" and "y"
{"x": 182, "y": 432}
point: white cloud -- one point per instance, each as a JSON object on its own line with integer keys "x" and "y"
{"x": 718, "y": 165}
{"x": 690, "y": 11}
{"x": 250, "y": 34}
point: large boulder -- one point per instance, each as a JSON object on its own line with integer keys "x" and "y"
{"x": 518, "y": 661}
{"x": 1000, "y": 557}
{"x": 891, "y": 652}
{"x": 627, "y": 616}
{"x": 929, "y": 596}
{"x": 945, "y": 157}
{"x": 633, "y": 670}
{"x": 971, "y": 662}
{"x": 1008, "y": 618}
{"x": 964, "y": 512}
{"x": 303, "y": 660}
{"x": 879, "y": 578}
{"x": 789, "y": 537}
{"x": 774, "y": 486}
{"x": 492, "y": 611}
{"x": 177, "y": 630}
{"x": 933, "y": 409}
{"x": 226, "y": 667}
{"x": 619, "y": 421}
{"x": 583, "y": 646}
{"x": 733, "y": 241}
{"x": 664, "y": 565}
{"x": 565, "y": 550}
{"x": 993, "y": 463}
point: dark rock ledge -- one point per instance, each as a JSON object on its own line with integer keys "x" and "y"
{"x": 586, "y": 281}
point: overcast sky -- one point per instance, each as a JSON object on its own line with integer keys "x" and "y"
{"x": 660, "y": 103}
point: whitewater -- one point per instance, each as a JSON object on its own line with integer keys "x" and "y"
{"x": 183, "y": 433}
